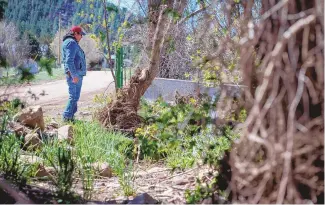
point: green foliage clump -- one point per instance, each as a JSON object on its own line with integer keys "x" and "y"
{"x": 95, "y": 144}
{"x": 200, "y": 192}
{"x": 216, "y": 158}
{"x": 87, "y": 173}
{"x": 184, "y": 134}
{"x": 47, "y": 64}
{"x": 10, "y": 150}
{"x": 62, "y": 159}
{"x": 10, "y": 165}
{"x": 90, "y": 139}
{"x": 169, "y": 128}
{"x": 9, "y": 108}
{"x": 180, "y": 133}
{"x": 126, "y": 179}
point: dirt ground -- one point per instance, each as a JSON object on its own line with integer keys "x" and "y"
{"x": 159, "y": 182}
{"x": 53, "y": 96}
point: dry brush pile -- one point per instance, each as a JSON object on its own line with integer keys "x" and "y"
{"x": 279, "y": 157}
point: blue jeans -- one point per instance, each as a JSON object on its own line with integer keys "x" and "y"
{"x": 74, "y": 95}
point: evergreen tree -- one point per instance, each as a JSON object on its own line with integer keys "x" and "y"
{"x": 40, "y": 18}
{"x": 35, "y": 51}
{"x": 3, "y": 4}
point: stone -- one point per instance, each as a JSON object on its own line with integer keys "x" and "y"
{"x": 180, "y": 181}
{"x": 191, "y": 179}
{"x": 32, "y": 140}
{"x": 65, "y": 133}
{"x": 100, "y": 202}
{"x": 103, "y": 169}
{"x": 85, "y": 113}
{"x": 19, "y": 129}
{"x": 31, "y": 159}
{"x": 44, "y": 171}
{"x": 54, "y": 124}
{"x": 51, "y": 134}
{"x": 121, "y": 200}
{"x": 31, "y": 116}
{"x": 207, "y": 201}
{"x": 143, "y": 199}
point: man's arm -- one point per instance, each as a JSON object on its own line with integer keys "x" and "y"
{"x": 71, "y": 51}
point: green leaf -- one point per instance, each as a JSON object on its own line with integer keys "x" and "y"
{"x": 47, "y": 64}
{"x": 112, "y": 8}
{"x": 3, "y": 62}
{"x": 25, "y": 75}
{"x": 102, "y": 36}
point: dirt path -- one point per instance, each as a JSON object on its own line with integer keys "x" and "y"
{"x": 52, "y": 96}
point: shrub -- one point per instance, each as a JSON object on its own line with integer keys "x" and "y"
{"x": 176, "y": 132}
{"x": 13, "y": 49}
{"x": 10, "y": 150}
{"x": 61, "y": 158}
{"x": 93, "y": 142}
{"x": 216, "y": 156}
{"x": 87, "y": 173}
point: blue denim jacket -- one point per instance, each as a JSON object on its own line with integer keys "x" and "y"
{"x": 73, "y": 57}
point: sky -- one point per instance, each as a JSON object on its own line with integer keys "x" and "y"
{"x": 129, "y": 4}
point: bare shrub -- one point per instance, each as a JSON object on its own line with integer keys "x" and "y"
{"x": 280, "y": 155}
{"x": 13, "y": 48}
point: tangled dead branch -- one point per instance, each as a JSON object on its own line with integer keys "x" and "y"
{"x": 122, "y": 114}
{"x": 279, "y": 157}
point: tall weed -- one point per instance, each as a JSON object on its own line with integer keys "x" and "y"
{"x": 10, "y": 150}
{"x": 62, "y": 159}
{"x": 100, "y": 145}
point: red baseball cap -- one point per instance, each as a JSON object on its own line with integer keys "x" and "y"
{"x": 77, "y": 29}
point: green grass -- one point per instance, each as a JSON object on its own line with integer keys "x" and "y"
{"x": 9, "y": 77}
{"x": 92, "y": 141}
{"x": 94, "y": 144}
{"x": 100, "y": 145}
{"x": 43, "y": 76}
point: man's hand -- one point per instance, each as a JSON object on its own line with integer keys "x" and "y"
{"x": 75, "y": 80}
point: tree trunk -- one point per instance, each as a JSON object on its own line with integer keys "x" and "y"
{"x": 109, "y": 59}
{"x": 153, "y": 16}
{"x": 121, "y": 114}
{"x": 164, "y": 68}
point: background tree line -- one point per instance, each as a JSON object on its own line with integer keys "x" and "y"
{"x": 41, "y": 17}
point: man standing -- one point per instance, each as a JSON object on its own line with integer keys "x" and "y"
{"x": 75, "y": 68}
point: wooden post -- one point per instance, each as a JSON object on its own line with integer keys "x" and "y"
{"x": 59, "y": 51}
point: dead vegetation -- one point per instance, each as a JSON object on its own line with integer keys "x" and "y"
{"x": 121, "y": 113}
{"x": 279, "y": 157}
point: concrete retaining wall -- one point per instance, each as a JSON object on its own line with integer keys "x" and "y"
{"x": 167, "y": 89}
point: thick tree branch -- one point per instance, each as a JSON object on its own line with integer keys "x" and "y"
{"x": 108, "y": 44}
{"x": 191, "y": 15}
